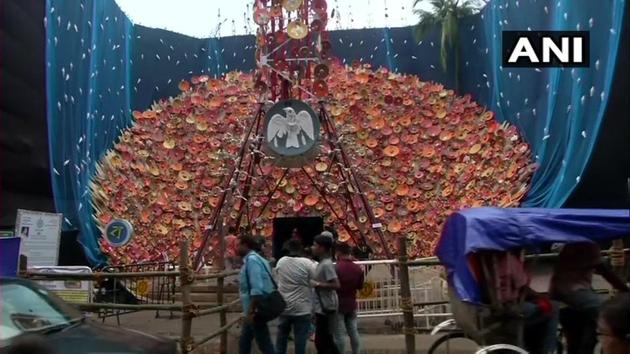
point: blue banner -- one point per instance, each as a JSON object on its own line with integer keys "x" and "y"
{"x": 9, "y": 256}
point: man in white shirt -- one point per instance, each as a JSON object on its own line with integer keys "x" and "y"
{"x": 293, "y": 274}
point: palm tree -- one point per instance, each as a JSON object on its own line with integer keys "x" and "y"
{"x": 445, "y": 13}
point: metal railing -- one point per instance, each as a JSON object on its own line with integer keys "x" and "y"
{"x": 154, "y": 290}
{"x": 380, "y": 296}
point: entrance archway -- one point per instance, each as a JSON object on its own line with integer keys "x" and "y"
{"x": 308, "y": 227}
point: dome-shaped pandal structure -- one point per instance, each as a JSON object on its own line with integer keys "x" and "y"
{"x": 420, "y": 150}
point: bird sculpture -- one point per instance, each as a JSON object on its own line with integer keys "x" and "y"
{"x": 291, "y": 126}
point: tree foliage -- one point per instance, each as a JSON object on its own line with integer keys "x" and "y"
{"x": 445, "y": 14}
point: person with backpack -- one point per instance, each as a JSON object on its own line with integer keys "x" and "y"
{"x": 257, "y": 290}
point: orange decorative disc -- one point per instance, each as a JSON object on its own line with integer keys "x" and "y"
{"x": 413, "y": 206}
{"x": 446, "y": 135}
{"x": 428, "y": 151}
{"x": 371, "y": 143}
{"x": 344, "y": 236}
{"x": 311, "y": 199}
{"x": 487, "y": 115}
{"x": 402, "y": 190}
{"x": 391, "y": 151}
{"x": 149, "y": 114}
{"x": 377, "y": 123}
{"x": 184, "y": 85}
{"x": 448, "y": 190}
{"x": 276, "y": 11}
{"x": 394, "y": 226}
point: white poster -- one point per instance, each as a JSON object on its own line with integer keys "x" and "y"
{"x": 40, "y": 233}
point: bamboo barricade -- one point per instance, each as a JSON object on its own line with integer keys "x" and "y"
{"x": 188, "y": 309}
{"x": 405, "y": 297}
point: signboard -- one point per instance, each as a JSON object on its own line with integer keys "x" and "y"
{"x": 40, "y": 233}
{"x": 291, "y": 133}
{"x": 9, "y": 256}
{"x": 75, "y": 291}
{"x": 118, "y": 232}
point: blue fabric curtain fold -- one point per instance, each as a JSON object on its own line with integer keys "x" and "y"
{"x": 559, "y": 110}
{"x": 89, "y": 45}
{"x": 100, "y": 67}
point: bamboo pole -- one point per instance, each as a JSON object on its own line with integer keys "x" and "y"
{"x": 185, "y": 280}
{"x": 216, "y": 275}
{"x": 138, "y": 307}
{"x": 220, "y": 282}
{"x": 216, "y": 309}
{"x": 218, "y": 332}
{"x": 618, "y": 259}
{"x": 113, "y": 306}
{"x": 234, "y": 175}
{"x": 405, "y": 298}
{"x": 100, "y": 275}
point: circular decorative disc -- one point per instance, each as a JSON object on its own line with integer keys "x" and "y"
{"x": 292, "y": 5}
{"x": 291, "y": 133}
{"x": 297, "y": 29}
{"x": 321, "y": 71}
{"x": 118, "y": 232}
{"x": 261, "y": 16}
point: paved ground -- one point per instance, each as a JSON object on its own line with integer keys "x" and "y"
{"x": 372, "y": 343}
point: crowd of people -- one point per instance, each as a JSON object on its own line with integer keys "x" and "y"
{"x": 319, "y": 297}
{"x": 315, "y": 290}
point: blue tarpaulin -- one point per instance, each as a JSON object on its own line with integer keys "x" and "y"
{"x": 498, "y": 229}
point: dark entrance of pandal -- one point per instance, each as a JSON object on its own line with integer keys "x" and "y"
{"x": 307, "y": 228}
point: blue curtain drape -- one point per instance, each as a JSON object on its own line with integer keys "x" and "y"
{"x": 88, "y": 53}
{"x": 100, "y": 67}
{"x": 560, "y": 111}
